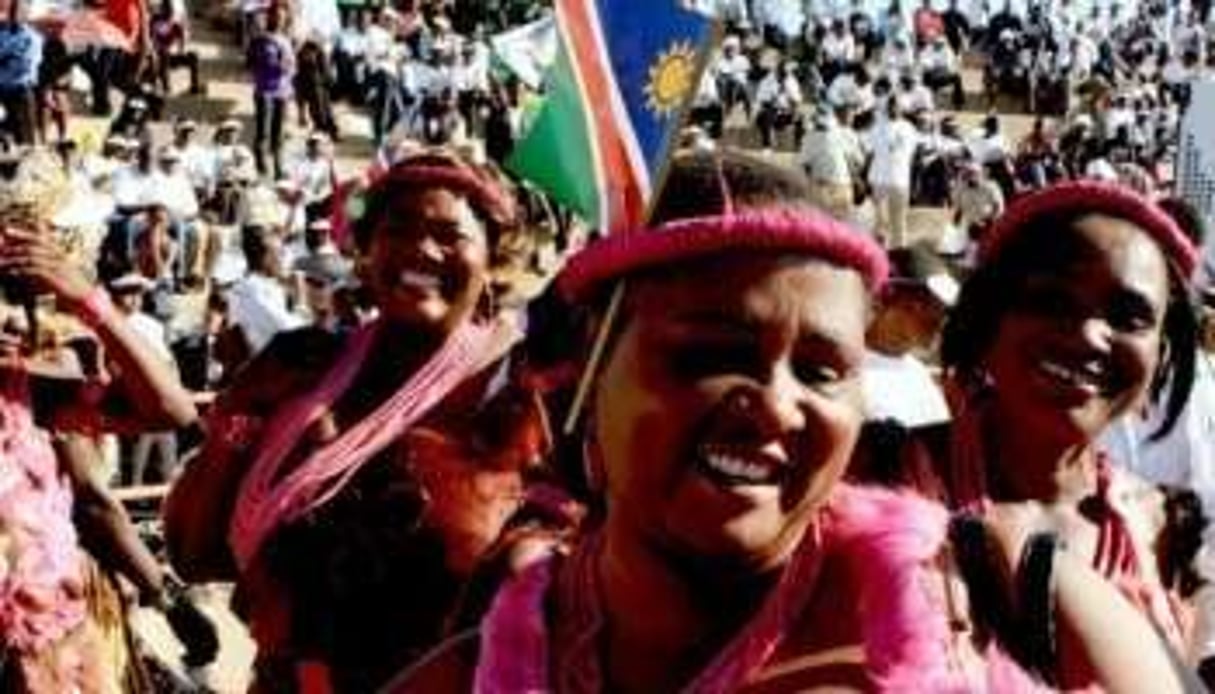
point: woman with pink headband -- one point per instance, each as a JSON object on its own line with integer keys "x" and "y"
{"x": 1077, "y": 314}
{"x": 350, "y": 484}
{"x": 729, "y": 555}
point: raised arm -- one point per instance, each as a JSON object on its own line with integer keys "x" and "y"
{"x": 146, "y": 394}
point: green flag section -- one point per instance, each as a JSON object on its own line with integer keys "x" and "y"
{"x": 555, "y": 154}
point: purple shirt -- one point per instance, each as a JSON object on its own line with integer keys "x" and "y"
{"x": 272, "y": 60}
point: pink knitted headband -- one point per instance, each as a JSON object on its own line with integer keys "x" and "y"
{"x": 776, "y": 229}
{"x": 1093, "y": 197}
{"x": 480, "y": 189}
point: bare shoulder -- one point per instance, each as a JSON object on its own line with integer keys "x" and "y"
{"x": 447, "y": 669}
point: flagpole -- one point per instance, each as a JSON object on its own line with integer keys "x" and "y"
{"x": 604, "y": 330}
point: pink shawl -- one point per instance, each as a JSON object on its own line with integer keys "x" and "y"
{"x": 886, "y": 537}
{"x": 272, "y": 495}
{"x": 41, "y": 573}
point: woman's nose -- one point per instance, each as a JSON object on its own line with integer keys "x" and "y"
{"x": 1096, "y": 333}
{"x": 431, "y": 249}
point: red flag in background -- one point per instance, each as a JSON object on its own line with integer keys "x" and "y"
{"x": 113, "y": 23}
{"x": 129, "y": 16}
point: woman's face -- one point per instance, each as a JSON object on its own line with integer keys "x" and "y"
{"x": 427, "y": 260}
{"x": 1082, "y": 344}
{"x": 730, "y": 406}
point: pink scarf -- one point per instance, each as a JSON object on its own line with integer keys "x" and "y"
{"x": 41, "y": 574}
{"x": 271, "y": 496}
{"x": 886, "y": 537}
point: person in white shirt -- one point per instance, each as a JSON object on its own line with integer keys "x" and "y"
{"x": 988, "y": 146}
{"x": 940, "y": 70}
{"x": 777, "y": 100}
{"x": 135, "y": 186}
{"x": 733, "y": 71}
{"x": 174, "y": 189}
{"x": 831, "y": 157}
{"x": 314, "y": 174}
{"x": 899, "y": 57}
{"x": 350, "y": 57}
{"x": 197, "y": 160}
{"x": 838, "y": 51}
{"x": 913, "y": 97}
{"x": 896, "y": 381}
{"x": 706, "y": 105}
{"x": 128, "y": 293}
{"x": 892, "y": 147}
{"x": 257, "y": 303}
{"x": 781, "y": 20}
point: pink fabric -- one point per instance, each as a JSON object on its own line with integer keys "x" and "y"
{"x": 888, "y": 537}
{"x": 1095, "y": 197}
{"x": 41, "y": 574}
{"x": 272, "y": 496}
{"x": 799, "y": 231}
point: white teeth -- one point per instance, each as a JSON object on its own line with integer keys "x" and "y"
{"x": 1086, "y": 376}
{"x": 737, "y": 467}
{"x": 420, "y": 280}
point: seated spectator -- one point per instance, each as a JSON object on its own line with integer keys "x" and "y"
{"x": 258, "y": 301}
{"x": 940, "y": 69}
{"x": 778, "y": 99}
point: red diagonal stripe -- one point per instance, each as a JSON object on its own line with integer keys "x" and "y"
{"x": 597, "y": 81}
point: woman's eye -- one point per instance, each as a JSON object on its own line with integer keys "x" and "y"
{"x": 1131, "y": 314}
{"x": 816, "y": 373}
{"x": 1048, "y": 302}
{"x": 700, "y": 360}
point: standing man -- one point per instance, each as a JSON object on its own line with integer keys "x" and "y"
{"x": 830, "y": 156}
{"x": 20, "y": 60}
{"x": 892, "y": 144}
{"x": 272, "y": 63}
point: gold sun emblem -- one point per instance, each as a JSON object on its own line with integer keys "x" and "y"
{"x": 671, "y": 78}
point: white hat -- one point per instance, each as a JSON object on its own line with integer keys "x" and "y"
{"x": 131, "y": 282}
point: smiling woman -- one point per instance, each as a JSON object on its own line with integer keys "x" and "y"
{"x": 1077, "y": 315}
{"x": 730, "y": 556}
{"x": 351, "y": 482}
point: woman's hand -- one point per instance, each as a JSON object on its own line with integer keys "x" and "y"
{"x": 34, "y": 256}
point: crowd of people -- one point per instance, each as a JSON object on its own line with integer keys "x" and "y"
{"x": 780, "y": 439}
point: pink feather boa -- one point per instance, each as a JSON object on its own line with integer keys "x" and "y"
{"x": 41, "y": 569}
{"x": 886, "y": 537}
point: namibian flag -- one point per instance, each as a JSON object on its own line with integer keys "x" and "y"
{"x": 624, "y": 73}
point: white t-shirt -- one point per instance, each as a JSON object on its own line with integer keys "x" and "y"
{"x": 135, "y": 188}
{"x": 176, "y": 193}
{"x": 841, "y": 48}
{"x": 901, "y": 388}
{"x": 893, "y": 144}
{"x": 258, "y": 304}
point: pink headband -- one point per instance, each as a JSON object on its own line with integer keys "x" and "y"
{"x": 1093, "y": 197}
{"x": 800, "y": 231}
{"x": 484, "y": 193}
